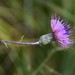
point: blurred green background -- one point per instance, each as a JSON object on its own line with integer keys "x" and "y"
{"x": 31, "y": 19}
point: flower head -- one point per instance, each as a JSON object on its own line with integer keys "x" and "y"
{"x": 61, "y": 31}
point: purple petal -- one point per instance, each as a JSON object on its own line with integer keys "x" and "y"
{"x": 61, "y": 31}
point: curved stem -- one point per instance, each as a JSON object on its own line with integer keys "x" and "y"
{"x": 44, "y": 62}
{"x": 23, "y": 43}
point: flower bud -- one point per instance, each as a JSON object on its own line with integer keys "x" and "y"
{"x": 45, "y": 39}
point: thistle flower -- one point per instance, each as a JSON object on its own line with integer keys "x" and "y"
{"x": 61, "y": 32}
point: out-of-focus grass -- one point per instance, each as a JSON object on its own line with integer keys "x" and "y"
{"x": 31, "y": 18}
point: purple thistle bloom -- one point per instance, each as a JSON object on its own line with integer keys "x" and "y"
{"x": 61, "y": 32}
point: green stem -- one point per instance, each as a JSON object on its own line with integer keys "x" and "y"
{"x": 44, "y": 62}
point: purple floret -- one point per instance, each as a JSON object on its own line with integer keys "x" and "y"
{"x": 61, "y": 32}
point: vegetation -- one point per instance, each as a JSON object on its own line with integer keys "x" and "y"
{"x": 27, "y": 20}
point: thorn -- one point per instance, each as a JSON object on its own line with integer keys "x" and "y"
{"x": 22, "y": 38}
{"x": 41, "y": 45}
{"x": 5, "y": 44}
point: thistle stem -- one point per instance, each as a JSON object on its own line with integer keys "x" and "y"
{"x": 23, "y": 43}
{"x": 44, "y": 39}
